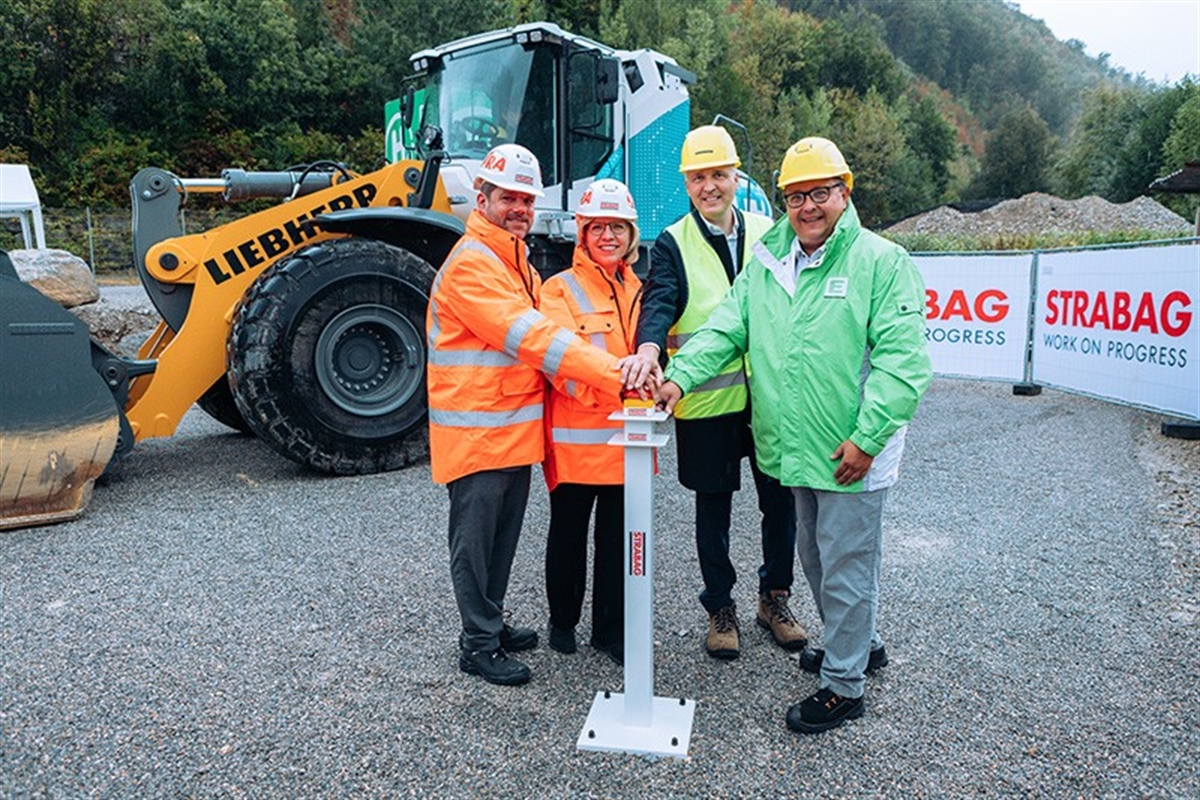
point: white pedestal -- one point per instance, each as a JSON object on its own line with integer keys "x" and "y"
{"x": 636, "y": 721}
{"x": 669, "y": 733}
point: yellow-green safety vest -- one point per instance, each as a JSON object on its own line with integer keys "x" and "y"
{"x": 707, "y": 284}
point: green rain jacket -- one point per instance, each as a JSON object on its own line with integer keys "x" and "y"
{"x": 837, "y": 352}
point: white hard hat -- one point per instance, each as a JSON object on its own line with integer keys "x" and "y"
{"x": 512, "y": 167}
{"x": 607, "y": 198}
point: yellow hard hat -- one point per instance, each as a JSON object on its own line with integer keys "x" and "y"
{"x": 706, "y": 147}
{"x": 812, "y": 158}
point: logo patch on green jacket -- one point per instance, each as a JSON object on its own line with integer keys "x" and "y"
{"x": 837, "y": 287}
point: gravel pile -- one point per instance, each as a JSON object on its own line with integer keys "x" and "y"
{"x": 1039, "y": 213}
{"x": 221, "y": 623}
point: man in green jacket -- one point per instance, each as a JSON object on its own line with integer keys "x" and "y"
{"x": 837, "y": 365}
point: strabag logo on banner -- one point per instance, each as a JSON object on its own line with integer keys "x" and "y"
{"x": 1121, "y": 324}
{"x": 976, "y": 314}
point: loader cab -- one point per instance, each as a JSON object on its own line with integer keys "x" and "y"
{"x": 566, "y": 98}
{"x": 534, "y": 85}
{"x": 587, "y": 111}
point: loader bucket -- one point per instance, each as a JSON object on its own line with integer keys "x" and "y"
{"x": 59, "y": 422}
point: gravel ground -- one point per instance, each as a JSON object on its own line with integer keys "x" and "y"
{"x": 222, "y": 624}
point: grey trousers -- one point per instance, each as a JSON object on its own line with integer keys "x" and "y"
{"x": 487, "y": 510}
{"x": 840, "y": 541}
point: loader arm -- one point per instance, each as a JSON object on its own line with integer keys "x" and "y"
{"x": 197, "y": 281}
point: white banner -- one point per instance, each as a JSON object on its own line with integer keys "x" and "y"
{"x": 977, "y": 314}
{"x": 1121, "y": 324}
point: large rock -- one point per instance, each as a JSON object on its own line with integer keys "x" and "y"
{"x": 61, "y": 276}
{"x": 122, "y": 319}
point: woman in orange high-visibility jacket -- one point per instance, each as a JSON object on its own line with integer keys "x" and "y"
{"x": 489, "y": 348}
{"x": 596, "y": 298}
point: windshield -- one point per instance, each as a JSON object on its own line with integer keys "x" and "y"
{"x": 489, "y": 96}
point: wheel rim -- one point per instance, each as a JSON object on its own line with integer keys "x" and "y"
{"x": 369, "y": 360}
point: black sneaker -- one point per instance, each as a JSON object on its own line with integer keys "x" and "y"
{"x": 494, "y": 666}
{"x": 615, "y": 651}
{"x": 562, "y": 640}
{"x": 518, "y": 639}
{"x": 810, "y": 660}
{"x": 823, "y": 710}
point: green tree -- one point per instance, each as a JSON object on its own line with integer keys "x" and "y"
{"x": 871, "y": 138}
{"x": 60, "y": 70}
{"x": 1182, "y": 145}
{"x": 769, "y": 53}
{"x": 1117, "y": 147}
{"x": 101, "y": 174}
{"x": 932, "y": 140}
{"x": 1018, "y": 157}
{"x": 1092, "y": 155}
{"x": 1141, "y": 158}
{"x": 857, "y": 57}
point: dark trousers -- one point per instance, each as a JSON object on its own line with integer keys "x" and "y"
{"x": 566, "y": 559}
{"x": 487, "y": 510}
{"x": 713, "y": 511}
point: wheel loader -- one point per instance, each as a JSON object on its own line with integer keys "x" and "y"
{"x": 303, "y": 324}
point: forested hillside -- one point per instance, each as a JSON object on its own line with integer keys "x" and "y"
{"x": 931, "y": 100}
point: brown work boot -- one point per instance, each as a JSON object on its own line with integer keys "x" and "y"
{"x": 775, "y": 616}
{"x": 722, "y": 641}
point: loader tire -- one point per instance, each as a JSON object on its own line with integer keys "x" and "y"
{"x": 219, "y": 404}
{"x": 327, "y": 357}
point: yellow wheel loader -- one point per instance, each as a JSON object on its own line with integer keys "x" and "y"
{"x": 304, "y": 323}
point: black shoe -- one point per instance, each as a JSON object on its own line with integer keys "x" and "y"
{"x": 615, "y": 651}
{"x": 562, "y": 640}
{"x": 810, "y": 660}
{"x": 517, "y": 639}
{"x": 823, "y": 710}
{"x": 494, "y": 666}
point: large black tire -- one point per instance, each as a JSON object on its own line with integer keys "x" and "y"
{"x": 219, "y": 404}
{"x": 327, "y": 357}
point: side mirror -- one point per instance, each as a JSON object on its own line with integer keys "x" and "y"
{"x": 608, "y": 81}
{"x": 406, "y": 107}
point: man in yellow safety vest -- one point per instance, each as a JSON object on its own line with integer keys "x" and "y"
{"x": 692, "y": 265}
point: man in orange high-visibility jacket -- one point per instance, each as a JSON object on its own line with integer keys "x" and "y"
{"x": 489, "y": 347}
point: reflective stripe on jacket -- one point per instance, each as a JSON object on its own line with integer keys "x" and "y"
{"x": 602, "y": 311}
{"x": 489, "y": 347}
{"x": 708, "y": 282}
{"x": 806, "y": 336}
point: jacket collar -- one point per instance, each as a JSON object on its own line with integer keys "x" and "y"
{"x": 774, "y": 248}
{"x": 717, "y": 241}
{"x": 583, "y": 263}
{"x": 508, "y": 248}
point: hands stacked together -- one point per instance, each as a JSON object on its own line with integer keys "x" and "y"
{"x": 641, "y": 373}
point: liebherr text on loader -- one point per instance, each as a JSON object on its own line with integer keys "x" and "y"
{"x": 303, "y": 323}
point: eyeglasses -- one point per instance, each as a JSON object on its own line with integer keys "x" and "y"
{"x": 598, "y": 228}
{"x": 819, "y": 195}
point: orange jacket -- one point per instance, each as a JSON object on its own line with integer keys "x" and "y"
{"x": 488, "y": 349}
{"x": 603, "y": 311}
